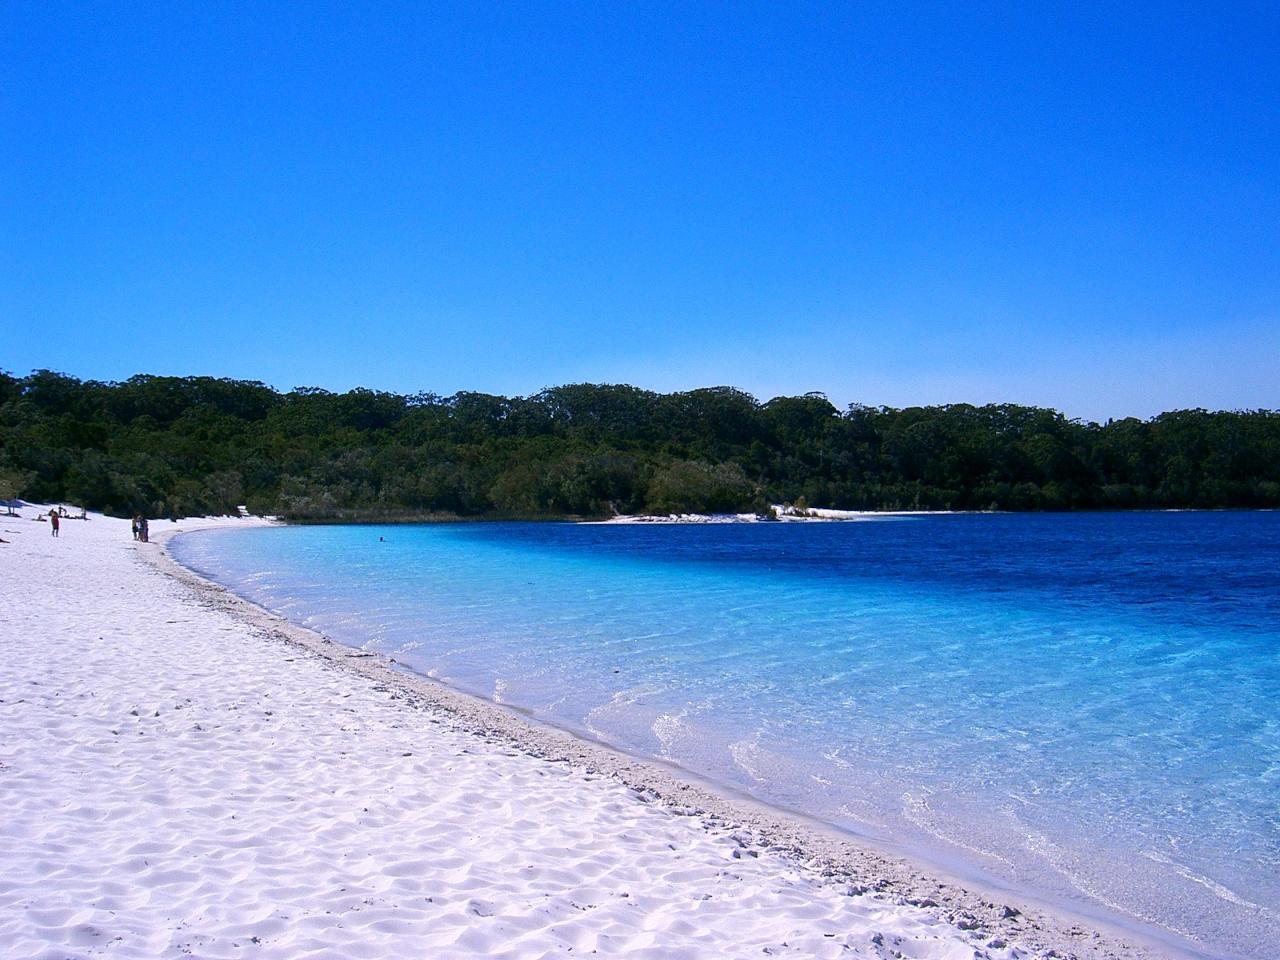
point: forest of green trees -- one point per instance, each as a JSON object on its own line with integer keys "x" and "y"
{"x": 170, "y": 446}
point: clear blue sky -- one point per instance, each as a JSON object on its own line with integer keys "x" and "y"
{"x": 890, "y": 203}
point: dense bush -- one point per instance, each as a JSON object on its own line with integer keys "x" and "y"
{"x": 173, "y": 446}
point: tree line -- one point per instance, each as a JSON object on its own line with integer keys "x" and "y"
{"x": 179, "y": 446}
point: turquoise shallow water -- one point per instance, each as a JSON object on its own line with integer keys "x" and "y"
{"x": 1084, "y": 707}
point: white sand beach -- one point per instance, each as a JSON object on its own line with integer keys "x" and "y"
{"x": 182, "y": 774}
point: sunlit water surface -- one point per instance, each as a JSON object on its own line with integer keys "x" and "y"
{"x": 1084, "y": 707}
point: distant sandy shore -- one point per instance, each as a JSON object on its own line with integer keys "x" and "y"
{"x": 183, "y": 773}
{"x": 782, "y": 513}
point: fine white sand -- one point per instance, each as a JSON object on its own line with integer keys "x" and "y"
{"x": 180, "y": 775}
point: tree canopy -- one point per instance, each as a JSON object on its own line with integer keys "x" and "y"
{"x": 176, "y": 446}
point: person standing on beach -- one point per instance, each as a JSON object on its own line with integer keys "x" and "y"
{"x": 54, "y": 520}
{"x": 135, "y": 525}
{"x": 143, "y": 533}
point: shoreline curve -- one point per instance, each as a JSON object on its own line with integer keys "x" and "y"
{"x": 837, "y": 857}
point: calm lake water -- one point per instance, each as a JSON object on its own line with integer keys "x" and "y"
{"x": 1084, "y": 707}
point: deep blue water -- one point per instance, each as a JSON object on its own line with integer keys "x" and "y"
{"x": 1085, "y": 707}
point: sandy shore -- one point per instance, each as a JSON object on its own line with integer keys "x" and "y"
{"x": 782, "y": 513}
{"x": 184, "y": 774}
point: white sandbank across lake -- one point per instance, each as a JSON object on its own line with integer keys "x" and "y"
{"x": 781, "y": 513}
{"x": 185, "y": 774}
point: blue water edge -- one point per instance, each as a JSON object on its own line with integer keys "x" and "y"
{"x": 1082, "y": 707}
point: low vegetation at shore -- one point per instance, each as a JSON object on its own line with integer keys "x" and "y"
{"x": 178, "y": 446}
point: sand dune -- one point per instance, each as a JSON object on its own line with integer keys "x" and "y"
{"x": 175, "y": 781}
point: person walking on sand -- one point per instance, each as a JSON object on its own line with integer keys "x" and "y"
{"x": 143, "y": 532}
{"x": 54, "y": 520}
{"x": 134, "y": 525}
